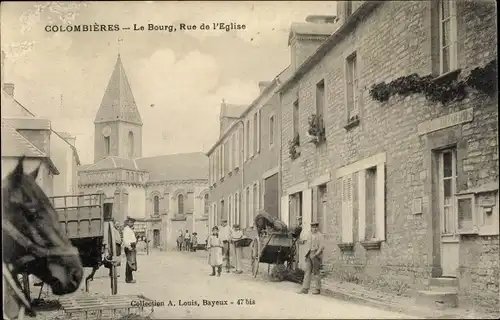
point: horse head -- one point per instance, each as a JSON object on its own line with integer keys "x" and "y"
{"x": 33, "y": 240}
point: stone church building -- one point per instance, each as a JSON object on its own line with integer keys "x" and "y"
{"x": 164, "y": 193}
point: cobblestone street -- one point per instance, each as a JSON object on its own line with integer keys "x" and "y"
{"x": 174, "y": 276}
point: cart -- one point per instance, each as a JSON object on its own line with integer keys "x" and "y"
{"x": 82, "y": 219}
{"x": 272, "y": 245}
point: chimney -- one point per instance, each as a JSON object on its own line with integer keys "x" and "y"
{"x": 68, "y": 137}
{"x": 306, "y": 37}
{"x": 263, "y": 85}
{"x": 9, "y": 88}
{"x": 3, "y": 66}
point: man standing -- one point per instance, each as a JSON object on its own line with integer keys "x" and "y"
{"x": 108, "y": 259}
{"x": 129, "y": 242}
{"x": 296, "y": 236}
{"x": 225, "y": 237}
{"x": 187, "y": 241}
{"x": 314, "y": 258}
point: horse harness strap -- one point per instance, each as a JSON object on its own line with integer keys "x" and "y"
{"x": 39, "y": 251}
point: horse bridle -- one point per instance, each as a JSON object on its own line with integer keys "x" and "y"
{"x": 37, "y": 252}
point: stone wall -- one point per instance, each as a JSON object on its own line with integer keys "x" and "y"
{"x": 394, "y": 40}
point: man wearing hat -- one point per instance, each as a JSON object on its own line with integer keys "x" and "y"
{"x": 129, "y": 242}
{"x": 314, "y": 258}
{"x": 225, "y": 237}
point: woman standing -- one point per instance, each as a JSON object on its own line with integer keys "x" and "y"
{"x": 214, "y": 246}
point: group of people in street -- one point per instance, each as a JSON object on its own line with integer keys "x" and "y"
{"x": 222, "y": 237}
{"x": 187, "y": 242}
{"x": 220, "y": 244}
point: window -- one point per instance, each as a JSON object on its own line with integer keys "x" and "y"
{"x": 130, "y": 144}
{"x": 271, "y": 130}
{"x": 224, "y": 159}
{"x": 248, "y": 208}
{"x": 156, "y": 205}
{"x": 295, "y": 207}
{"x": 370, "y": 222}
{"x": 347, "y": 210}
{"x": 222, "y": 210}
{"x": 230, "y": 149}
{"x": 255, "y": 133}
{"x": 206, "y": 205}
{"x": 295, "y": 115}
{"x": 447, "y": 189}
{"x": 237, "y": 208}
{"x": 234, "y": 151}
{"x": 180, "y": 204}
{"x": 230, "y": 210}
{"x": 321, "y": 197}
{"x": 255, "y": 200}
{"x": 447, "y": 36}
{"x": 258, "y": 136}
{"x": 352, "y": 87}
{"x": 247, "y": 140}
{"x": 106, "y": 146}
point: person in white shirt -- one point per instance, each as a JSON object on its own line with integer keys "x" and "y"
{"x": 225, "y": 237}
{"x": 129, "y": 242}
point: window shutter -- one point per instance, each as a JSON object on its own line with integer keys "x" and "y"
{"x": 251, "y": 207}
{"x": 380, "y": 201}
{"x": 237, "y": 151}
{"x": 229, "y": 154}
{"x": 362, "y": 205}
{"x": 306, "y": 211}
{"x": 223, "y": 156}
{"x": 285, "y": 213}
{"x": 258, "y": 131}
{"x": 250, "y": 133}
{"x": 347, "y": 234}
{"x": 245, "y": 141}
{"x": 243, "y": 209}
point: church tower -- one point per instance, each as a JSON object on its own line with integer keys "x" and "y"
{"x": 118, "y": 124}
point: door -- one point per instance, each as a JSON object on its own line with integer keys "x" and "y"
{"x": 449, "y": 226}
{"x": 156, "y": 238}
{"x": 271, "y": 196}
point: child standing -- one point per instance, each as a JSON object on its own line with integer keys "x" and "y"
{"x": 194, "y": 241}
{"x": 214, "y": 246}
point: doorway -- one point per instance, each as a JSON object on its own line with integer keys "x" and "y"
{"x": 156, "y": 238}
{"x": 447, "y": 187}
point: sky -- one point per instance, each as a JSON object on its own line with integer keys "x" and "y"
{"x": 62, "y": 76}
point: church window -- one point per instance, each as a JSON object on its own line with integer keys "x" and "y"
{"x": 206, "y": 204}
{"x": 180, "y": 203}
{"x": 106, "y": 145}
{"x": 156, "y": 205}
{"x": 130, "y": 144}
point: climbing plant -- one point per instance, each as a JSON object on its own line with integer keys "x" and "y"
{"x": 445, "y": 90}
{"x": 292, "y": 147}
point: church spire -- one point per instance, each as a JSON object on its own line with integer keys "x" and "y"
{"x": 118, "y": 103}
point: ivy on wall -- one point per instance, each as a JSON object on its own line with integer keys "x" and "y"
{"x": 292, "y": 147}
{"x": 444, "y": 90}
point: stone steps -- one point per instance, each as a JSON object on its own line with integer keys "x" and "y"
{"x": 442, "y": 293}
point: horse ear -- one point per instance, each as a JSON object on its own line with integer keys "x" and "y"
{"x": 34, "y": 174}
{"x": 18, "y": 172}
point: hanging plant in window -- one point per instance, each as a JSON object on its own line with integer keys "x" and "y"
{"x": 293, "y": 146}
{"x": 445, "y": 90}
{"x": 316, "y": 130}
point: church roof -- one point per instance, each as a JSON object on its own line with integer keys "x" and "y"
{"x": 15, "y": 145}
{"x": 232, "y": 110}
{"x": 118, "y": 102}
{"x": 171, "y": 167}
{"x": 181, "y": 166}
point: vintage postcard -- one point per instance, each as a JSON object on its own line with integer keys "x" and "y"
{"x": 250, "y": 159}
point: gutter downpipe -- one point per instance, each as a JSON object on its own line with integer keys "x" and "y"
{"x": 280, "y": 175}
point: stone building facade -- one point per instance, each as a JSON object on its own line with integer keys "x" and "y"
{"x": 405, "y": 190}
{"x": 165, "y": 194}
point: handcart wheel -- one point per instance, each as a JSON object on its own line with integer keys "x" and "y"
{"x": 255, "y": 256}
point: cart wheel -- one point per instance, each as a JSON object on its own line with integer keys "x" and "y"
{"x": 255, "y": 256}
{"x": 26, "y": 286}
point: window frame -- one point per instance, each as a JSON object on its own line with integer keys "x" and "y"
{"x": 453, "y": 36}
{"x": 295, "y": 118}
{"x": 351, "y": 78}
{"x": 156, "y": 204}
{"x": 473, "y": 227}
{"x": 271, "y": 128}
{"x": 453, "y": 190}
{"x": 180, "y": 204}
